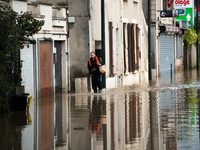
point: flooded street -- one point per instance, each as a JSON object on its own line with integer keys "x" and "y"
{"x": 162, "y": 116}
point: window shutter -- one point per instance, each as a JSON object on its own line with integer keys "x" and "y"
{"x": 137, "y": 45}
{"x": 133, "y": 45}
{"x": 111, "y": 49}
{"x": 129, "y": 49}
{"x": 124, "y": 41}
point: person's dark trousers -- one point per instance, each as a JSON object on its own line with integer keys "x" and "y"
{"x": 96, "y": 82}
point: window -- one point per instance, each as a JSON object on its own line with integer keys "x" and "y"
{"x": 132, "y": 42}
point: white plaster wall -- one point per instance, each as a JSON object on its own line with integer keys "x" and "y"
{"x": 18, "y": 6}
{"x": 95, "y": 10}
{"x": 133, "y": 13}
{"x": 112, "y": 14}
{"x": 132, "y": 10}
{"x": 131, "y": 79}
{"x": 116, "y": 14}
{"x": 27, "y": 70}
{"x": 47, "y": 12}
{"x": 110, "y": 83}
{"x": 59, "y": 13}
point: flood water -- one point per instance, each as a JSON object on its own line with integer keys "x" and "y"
{"x": 161, "y": 116}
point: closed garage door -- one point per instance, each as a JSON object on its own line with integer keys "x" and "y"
{"x": 166, "y": 53}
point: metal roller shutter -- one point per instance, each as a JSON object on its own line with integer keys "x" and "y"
{"x": 166, "y": 53}
{"x": 180, "y": 46}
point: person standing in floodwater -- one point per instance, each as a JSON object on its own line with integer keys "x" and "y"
{"x": 93, "y": 68}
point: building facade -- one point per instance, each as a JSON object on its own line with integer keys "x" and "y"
{"x": 71, "y": 31}
{"x": 44, "y": 68}
{"x": 125, "y": 40}
{"x": 166, "y": 39}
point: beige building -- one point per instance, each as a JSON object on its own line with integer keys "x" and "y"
{"x": 125, "y": 40}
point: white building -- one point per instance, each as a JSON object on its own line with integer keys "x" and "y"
{"x": 45, "y": 64}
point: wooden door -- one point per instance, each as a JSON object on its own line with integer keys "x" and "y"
{"x": 45, "y": 69}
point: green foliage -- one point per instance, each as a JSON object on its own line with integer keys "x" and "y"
{"x": 195, "y": 24}
{"x": 190, "y": 38}
{"x": 15, "y": 30}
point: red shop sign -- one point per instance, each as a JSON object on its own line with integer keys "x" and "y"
{"x": 169, "y": 2}
{"x": 182, "y": 2}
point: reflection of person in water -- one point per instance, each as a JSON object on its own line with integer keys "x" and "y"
{"x": 95, "y": 116}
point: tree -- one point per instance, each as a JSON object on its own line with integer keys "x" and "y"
{"x": 15, "y": 32}
{"x": 190, "y": 38}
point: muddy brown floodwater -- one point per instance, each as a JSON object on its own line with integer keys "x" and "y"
{"x": 161, "y": 116}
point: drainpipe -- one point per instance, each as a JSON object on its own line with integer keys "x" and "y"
{"x": 69, "y": 64}
{"x": 90, "y": 48}
{"x": 68, "y": 42}
{"x": 103, "y": 41}
{"x": 149, "y": 38}
{"x": 197, "y": 30}
{"x": 90, "y": 38}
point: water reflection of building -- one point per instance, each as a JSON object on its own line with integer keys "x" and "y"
{"x": 127, "y": 121}
{"x": 178, "y": 114}
{"x": 79, "y": 123}
{"x": 62, "y": 121}
{"x": 43, "y": 123}
{"x": 51, "y": 123}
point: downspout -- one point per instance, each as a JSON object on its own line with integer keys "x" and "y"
{"x": 68, "y": 42}
{"x": 197, "y": 31}
{"x": 103, "y": 40}
{"x": 90, "y": 49}
{"x": 149, "y": 38}
{"x": 69, "y": 82}
{"x": 90, "y": 39}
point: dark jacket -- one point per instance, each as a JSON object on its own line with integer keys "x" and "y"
{"x": 93, "y": 66}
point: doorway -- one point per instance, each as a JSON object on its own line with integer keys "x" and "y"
{"x": 58, "y": 68}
